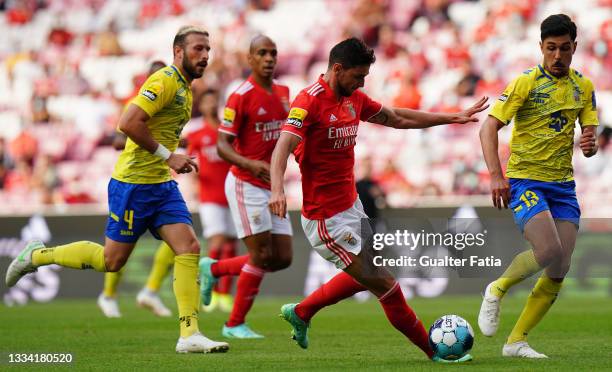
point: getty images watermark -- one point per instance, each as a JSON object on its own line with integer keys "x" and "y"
{"x": 431, "y": 247}
{"x": 406, "y": 240}
{"x": 474, "y": 247}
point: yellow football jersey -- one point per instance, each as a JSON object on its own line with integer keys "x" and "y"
{"x": 545, "y": 109}
{"x": 166, "y": 97}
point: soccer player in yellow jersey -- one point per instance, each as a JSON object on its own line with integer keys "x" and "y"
{"x": 142, "y": 194}
{"x": 545, "y": 102}
{"x": 162, "y": 262}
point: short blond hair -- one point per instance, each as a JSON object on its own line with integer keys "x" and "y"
{"x": 183, "y": 32}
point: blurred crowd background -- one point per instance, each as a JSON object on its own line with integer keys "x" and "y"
{"x": 69, "y": 66}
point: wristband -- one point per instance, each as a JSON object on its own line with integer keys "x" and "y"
{"x": 162, "y": 152}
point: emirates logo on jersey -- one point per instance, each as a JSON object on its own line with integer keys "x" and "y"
{"x": 343, "y": 136}
{"x": 270, "y": 130}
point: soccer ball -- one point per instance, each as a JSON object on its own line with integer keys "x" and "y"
{"x": 451, "y": 337}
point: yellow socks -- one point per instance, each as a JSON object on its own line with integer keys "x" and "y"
{"x": 522, "y": 266}
{"x": 77, "y": 255}
{"x": 111, "y": 282}
{"x": 164, "y": 259}
{"x": 187, "y": 292}
{"x": 542, "y": 297}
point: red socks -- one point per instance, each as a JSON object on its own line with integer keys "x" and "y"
{"x": 224, "y": 285}
{"x": 396, "y": 309}
{"x": 336, "y": 289}
{"x": 230, "y": 266}
{"x": 246, "y": 290}
{"x": 404, "y": 319}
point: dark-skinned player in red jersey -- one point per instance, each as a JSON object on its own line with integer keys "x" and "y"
{"x": 252, "y": 120}
{"x": 321, "y": 129}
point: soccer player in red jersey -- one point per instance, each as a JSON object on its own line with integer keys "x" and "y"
{"x": 321, "y": 129}
{"x": 252, "y": 120}
{"x": 217, "y": 225}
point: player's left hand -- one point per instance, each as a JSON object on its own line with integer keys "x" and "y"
{"x": 182, "y": 163}
{"x": 467, "y": 116}
{"x": 278, "y": 204}
{"x": 588, "y": 143}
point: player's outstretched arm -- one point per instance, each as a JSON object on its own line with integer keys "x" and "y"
{"x": 285, "y": 146}
{"x": 500, "y": 189}
{"x": 133, "y": 123}
{"x": 225, "y": 149}
{"x": 412, "y": 119}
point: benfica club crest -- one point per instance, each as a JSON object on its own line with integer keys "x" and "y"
{"x": 351, "y": 109}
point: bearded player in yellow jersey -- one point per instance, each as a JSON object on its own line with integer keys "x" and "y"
{"x": 142, "y": 194}
{"x": 162, "y": 262}
{"x": 545, "y": 102}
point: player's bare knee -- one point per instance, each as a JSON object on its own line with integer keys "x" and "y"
{"x": 280, "y": 263}
{"x": 262, "y": 258}
{"x": 113, "y": 264}
{"x": 194, "y": 246}
{"x": 564, "y": 266}
{"x": 549, "y": 254}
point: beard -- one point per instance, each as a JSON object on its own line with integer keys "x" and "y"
{"x": 191, "y": 69}
{"x": 344, "y": 91}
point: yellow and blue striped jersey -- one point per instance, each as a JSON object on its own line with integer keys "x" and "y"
{"x": 166, "y": 97}
{"x": 545, "y": 109}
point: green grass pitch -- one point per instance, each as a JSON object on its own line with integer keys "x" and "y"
{"x": 576, "y": 334}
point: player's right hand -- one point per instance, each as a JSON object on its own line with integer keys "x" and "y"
{"x": 260, "y": 169}
{"x": 182, "y": 163}
{"x": 500, "y": 192}
{"x": 278, "y": 203}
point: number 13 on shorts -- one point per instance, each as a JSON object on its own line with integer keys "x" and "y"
{"x": 530, "y": 198}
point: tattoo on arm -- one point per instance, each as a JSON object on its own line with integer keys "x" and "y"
{"x": 380, "y": 118}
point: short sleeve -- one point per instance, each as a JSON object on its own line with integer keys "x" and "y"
{"x": 369, "y": 108}
{"x": 232, "y": 115}
{"x": 588, "y": 114}
{"x": 302, "y": 114}
{"x": 511, "y": 99}
{"x": 155, "y": 94}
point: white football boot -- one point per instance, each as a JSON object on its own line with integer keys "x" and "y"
{"x": 109, "y": 306}
{"x": 521, "y": 349}
{"x": 488, "y": 318}
{"x": 150, "y": 300}
{"x": 198, "y": 343}
{"x": 22, "y": 264}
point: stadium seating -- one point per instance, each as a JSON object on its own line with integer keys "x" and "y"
{"x": 68, "y": 68}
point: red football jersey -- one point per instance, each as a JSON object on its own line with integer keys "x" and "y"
{"x": 328, "y": 129}
{"x": 213, "y": 169}
{"x": 255, "y": 116}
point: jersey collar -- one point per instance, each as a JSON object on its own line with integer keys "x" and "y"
{"x": 180, "y": 76}
{"x": 251, "y": 79}
{"x": 551, "y": 77}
